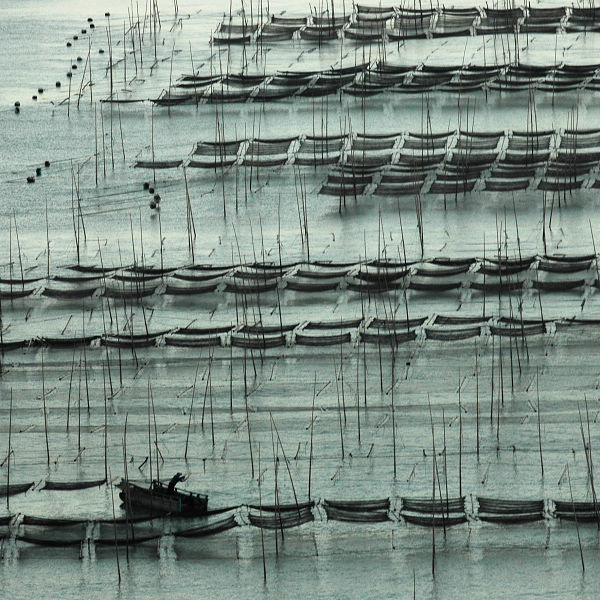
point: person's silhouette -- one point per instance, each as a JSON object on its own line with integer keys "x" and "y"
{"x": 174, "y": 481}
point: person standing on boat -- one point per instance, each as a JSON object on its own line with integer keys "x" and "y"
{"x": 174, "y": 481}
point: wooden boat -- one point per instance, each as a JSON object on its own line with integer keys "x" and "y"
{"x": 387, "y": 338}
{"x": 268, "y": 35}
{"x": 434, "y": 521}
{"x": 227, "y": 39}
{"x": 320, "y": 34}
{"x": 158, "y": 499}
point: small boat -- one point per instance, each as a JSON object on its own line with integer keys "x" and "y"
{"x": 158, "y": 499}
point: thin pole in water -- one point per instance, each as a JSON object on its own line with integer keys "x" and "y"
{"x": 47, "y": 243}
{"x": 149, "y": 438}
{"x": 96, "y": 140}
{"x": 249, "y": 436}
{"x": 45, "y": 412}
{"x": 155, "y": 432}
{"x": 187, "y": 438}
{"x": 575, "y": 517}
{"x": 337, "y": 387}
{"x": 112, "y": 496}
{"x": 539, "y": 419}
{"x": 312, "y": 427}
{"x": 262, "y": 534}
{"x": 70, "y": 389}
{"x": 393, "y": 417}
{"x": 126, "y": 477}
{"x": 9, "y": 450}
{"x": 212, "y": 423}
{"x": 477, "y": 395}
{"x": 105, "y": 425}
{"x": 460, "y": 429}
{"x": 433, "y": 467}
{"x": 358, "y": 392}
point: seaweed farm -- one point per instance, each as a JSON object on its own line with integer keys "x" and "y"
{"x": 299, "y": 300}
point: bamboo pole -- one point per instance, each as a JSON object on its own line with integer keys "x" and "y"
{"x": 47, "y": 243}
{"x": 79, "y": 409}
{"x": 287, "y": 462}
{"x": 477, "y": 396}
{"x": 112, "y": 496}
{"x": 155, "y": 432}
{"x": 248, "y": 428}
{"x": 187, "y": 437}
{"x": 312, "y": 427}
{"x": 45, "y": 412}
{"x": 212, "y": 423}
{"x": 393, "y": 418}
{"x": 539, "y": 418}
{"x": 262, "y": 534}
{"x": 460, "y": 429}
{"x": 105, "y": 426}
{"x": 276, "y": 490}
{"x": 149, "y": 441}
{"x": 433, "y": 469}
{"x": 591, "y": 463}
{"x": 576, "y": 521}
{"x": 9, "y": 450}
{"x": 358, "y": 393}
{"x": 70, "y": 389}
{"x": 128, "y": 496}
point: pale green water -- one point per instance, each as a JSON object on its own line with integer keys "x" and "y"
{"x": 323, "y": 560}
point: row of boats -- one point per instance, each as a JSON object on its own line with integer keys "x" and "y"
{"x": 401, "y": 79}
{"x": 398, "y": 24}
{"x": 409, "y": 163}
{"x": 490, "y": 275}
{"x": 144, "y": 504}
{"x": 371, "y": 330}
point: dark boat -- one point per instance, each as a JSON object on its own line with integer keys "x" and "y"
{"x": 158, "y": 499}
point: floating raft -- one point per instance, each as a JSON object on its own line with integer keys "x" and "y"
{"x": 15, "y": 488}
{"x": 73, "y": 485}
{"x": 506, "y": 512}
{"x": 281, "y": 519}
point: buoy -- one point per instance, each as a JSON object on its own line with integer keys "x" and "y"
{"x": 79, "y": 59}
{"x": 92, "y": 26}
{"x": 90, "y": 19}
{"x": 69, "y": 75}
{"x": 58, "y": 84}
{"x": 17, "y": 104}
{"x": 31, "y": 179}
{"x": 101, "y": 51}
{"x": 73, "y": 66}
{"x": 152, "y": 204}
{"x": 46, "y": 163}
{"x": 40, "y": 90}
{"x": 146, "y": 185}
{"x": 34, "y": 97}
{"x": 107, "y": 14}
{"x": 17, "y": 110}
{"x": 75, "y": 37}
{"x": 157, "y": 198}
{"x": 84, "y": 31}
{"x": 38, "y": 171}
{"x": 69, "y": 44}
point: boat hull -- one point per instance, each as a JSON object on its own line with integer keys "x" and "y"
{"x": 158, "y": 500}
